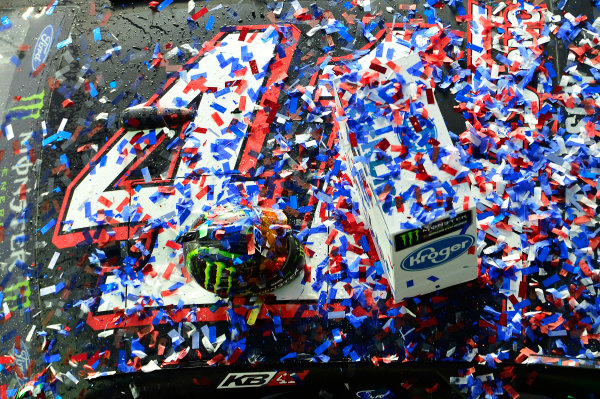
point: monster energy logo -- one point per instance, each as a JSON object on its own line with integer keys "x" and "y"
{"x": 28, "y": 111}
{"x": 16, "y": 289}
{"x": 409, "y": 235}
{"x": 219, "y": 271}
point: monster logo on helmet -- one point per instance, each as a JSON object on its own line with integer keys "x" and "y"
{"x": 237, "y": 250}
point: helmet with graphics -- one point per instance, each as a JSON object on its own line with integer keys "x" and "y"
{"x": 239, "y": 250}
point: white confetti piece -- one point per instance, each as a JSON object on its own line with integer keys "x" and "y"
{"x": 53, "y": 260}
{"x": 48, "y": 290}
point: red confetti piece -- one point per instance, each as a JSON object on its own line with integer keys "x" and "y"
{"x": 250, "y": 243}
{"x": 378, "y": 68}
{"x": 383, "y": 145}
{"x": 199, "y": 14}
{"x": 38, "y": 70}
{"x": 186, "y": 275}
{"x": 6, "y": 359}
{"x": 253, "y": 67}
{"x": 415, "y": 124}
{"x": 32, "y": 155}
{"x": 217, "y": 119}
{"x": 173, "y": 245}
{"x": 331, "y": 237}
{"x": 105, "y": 201}
{"x": 106, "y": 18}
{"x": 122, "y": 205}
{"x": 23, "y": 192}
{"x": 167, "y": 274}
{"x": 79, "y": 357}
{"x": 352, "y": 138}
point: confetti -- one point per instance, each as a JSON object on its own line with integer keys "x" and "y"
{"x": 526, "y": 145}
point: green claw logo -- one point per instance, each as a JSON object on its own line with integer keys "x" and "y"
{"x": 410, "y": 237}
{"x": 31, "y": 110}
{"x": 16, "y": 291}
{"x": 219, "y": 272}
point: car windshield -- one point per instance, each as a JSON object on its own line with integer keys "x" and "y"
{"x": 434, "y": 167}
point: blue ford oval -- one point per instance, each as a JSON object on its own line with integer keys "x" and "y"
{"x": 42, "y": 47}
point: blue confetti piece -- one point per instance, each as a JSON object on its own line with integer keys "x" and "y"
{"x": 21, "y": 265}
{"x": 52, "y": 358}
{"x": 59, "y": 287}
{"x": 337, "y": 336}
{"x": 530, "y": 270}
{"x": 322, "y": 299}
{"x": 474, "y": 47}
{"x": 323, "y": 347}
{"x": 64, "y": 160}
{"x": 277, "y": 323}
{"x": 212, "y": 334}
{"x": 15, "y": 60}
{"x": 97, "y": 35}
{"x": 49, "y": 139}
{"x": 48, "y": 226}
{"x": 64, "y": 43}
{"x": 93, "y": 91}
{"x": 210, "y": 23}
{"x": 218, "y": 107}
{"x": 522, "y": 304}
{"x": 291, "y": 355}
{"x": 365, "y": 244}
{"x": 146, "y": 174}
{"x": 551, "y": 280}
{"x": 164, "y": 5}
{"x": 64, "y": 135}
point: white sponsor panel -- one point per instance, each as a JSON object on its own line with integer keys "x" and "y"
{"x": 437, "y": 250}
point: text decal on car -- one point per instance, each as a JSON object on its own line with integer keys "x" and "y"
{"x": 437, "y": 253}
{"x": 42, "y": 47}
{"x": 260, "y": 378}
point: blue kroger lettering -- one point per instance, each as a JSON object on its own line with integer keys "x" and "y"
{"x": 42, "y": 47}
{"x": 437, "y": 253}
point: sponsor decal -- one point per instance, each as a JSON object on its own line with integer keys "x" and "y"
{"x": 42, "y": 47}
{"x": 437, "y": 253}
{"x": 29, "y": 107}
{"x": 382, "y": 393}
{"x": 247, "y": 380}
{"x": 22, "y": 360}
{"x": 261, "y": 378}
{"x": 460, "y": 223}
{"x": 286, "y": 378}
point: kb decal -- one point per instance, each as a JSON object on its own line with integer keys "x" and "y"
{"x": 247, "y": 380}
{"x": 259, "y": 379}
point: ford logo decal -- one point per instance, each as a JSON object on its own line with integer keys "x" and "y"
{"x": 437, "y": 253}
{"x": 42, "y": 47}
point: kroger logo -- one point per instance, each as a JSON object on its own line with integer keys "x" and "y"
{"x": 437, "y": 253}
{"x": 42, "y": 47}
